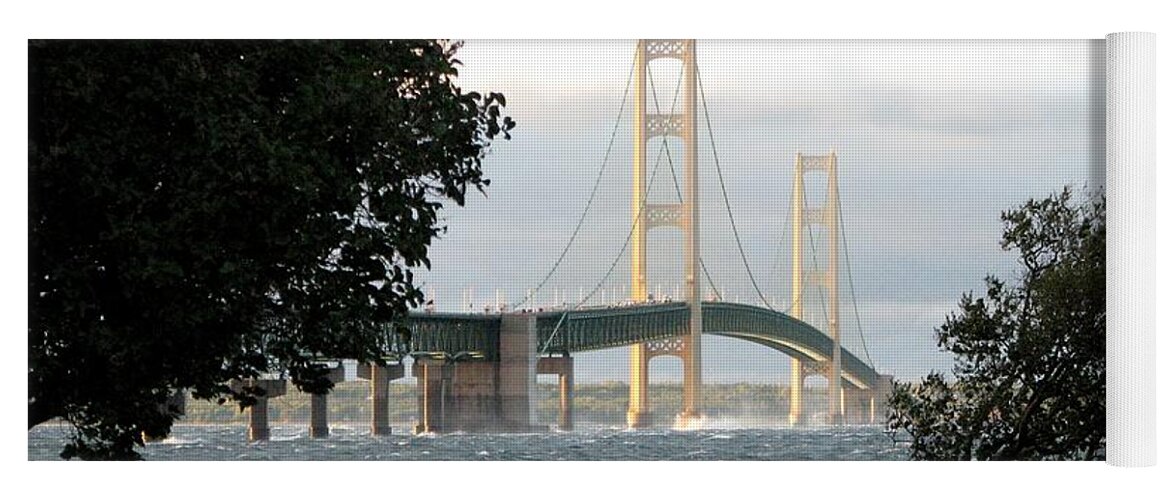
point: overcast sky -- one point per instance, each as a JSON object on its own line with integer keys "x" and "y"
{"x": 934, "y": 140}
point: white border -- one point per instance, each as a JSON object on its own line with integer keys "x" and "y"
{"x": 593, "y": 19}
{"x": 1130, "y": 286}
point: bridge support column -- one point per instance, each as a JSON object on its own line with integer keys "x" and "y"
{"x": 691, "y": 416}
{"x": 482, "y": 394}
{"x": 692, "y": 413}
{"x": 878, "y": 397}
{"x": 380, "y": 377}
{"x": 319, "y": 407}
{"x": 566, "y": 383}
{"x": 258, "y": 420}
{"x": 472, "y": 404}
{"x": 563, "y": 368}
{"x": 864, "y": 413}
{"x": 434, "y": 386}
{"x": 837, "y": 396}
{"x": 684, "y": 214}
{"x": 318, "y": 416}
{"x": 828, "y": 217}
{"x": 842, "y": 402}
{"x": 518, "y": 370}
{"x": 796, "y": 393}
{"x": 861, "y": 410}
{"x": 638, "y": 413}
{"x": 258, "y": 413}
{"x": 852, "y": 405}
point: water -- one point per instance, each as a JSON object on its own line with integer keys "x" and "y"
{"x": 227, "y": 442}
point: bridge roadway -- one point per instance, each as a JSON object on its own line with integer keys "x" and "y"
{"x": 477, "y": 336}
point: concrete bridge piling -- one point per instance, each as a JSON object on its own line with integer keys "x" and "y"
{"x": 491, "y": 386}
{"x": 380, "y": 377}
{"x": 258, "y": 413}
{"x": 518, "y": 371}
{"x": 433, "y": 378}
{"x": 563, "y": 368}
{"x": 319, "y": 406}
{"x": 483, "y": 394}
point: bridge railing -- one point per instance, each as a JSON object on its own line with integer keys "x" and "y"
{"x": 449, "y": 335}
{"x": 604, "y": 327}
{"x": 478, "y": 335}
{"x": 742, "y": 318}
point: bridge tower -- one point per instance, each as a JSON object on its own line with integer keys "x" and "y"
{"x": 803, "y": 217}
{"x": 683, "y": 215}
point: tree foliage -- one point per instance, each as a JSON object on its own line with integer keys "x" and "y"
{"x": 202, "y": 211}
{"x": 1030, "y": 373}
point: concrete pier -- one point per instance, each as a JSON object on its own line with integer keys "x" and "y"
{"x": 866, "y": 406}
{"x": 471, "y": 403}
{"x": 796, "y": 392}
{"x": 879, "y": 397}
{"x": 566, "y": 385}
{"x": 318, "y": 416}
{"x": 258, "y": 413}
{"x": 638, "y": 414}
{"x": 380, "y": 377}
{"x": 853, "y": 405}
{"x": 434, "y": 377}
{"x": 319, "y": 407}
{"x": 563, "y": 368}
{"x": 518, "y": 371}
{"x": 258, "y": 420}
{"x": 482, "y": 394}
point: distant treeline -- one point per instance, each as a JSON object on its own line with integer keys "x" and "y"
{"x": 599, "y": 403}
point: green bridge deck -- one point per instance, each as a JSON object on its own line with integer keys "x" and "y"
{"x": 569, "y": 331}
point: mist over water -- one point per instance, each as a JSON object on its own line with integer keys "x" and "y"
{"x": 720, "y": 439}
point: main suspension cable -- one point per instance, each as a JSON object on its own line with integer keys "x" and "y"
{"x": 850, "y": 274}
{"x": 617, "y": 258}
{"x": 629, "y": 234}
{"x": 724, "y": 191}
{"x": 784, "y": 231}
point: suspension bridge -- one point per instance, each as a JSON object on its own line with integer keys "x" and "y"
{"x": 478, "y": 371}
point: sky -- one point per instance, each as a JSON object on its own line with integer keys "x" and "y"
{"x": 934, "y": 139}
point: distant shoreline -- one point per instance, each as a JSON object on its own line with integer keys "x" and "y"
{"x": 603, "y": 403}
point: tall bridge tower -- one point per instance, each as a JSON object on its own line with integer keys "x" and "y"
{"x": 803, "y": 217}
{"x": 683, "y": 215}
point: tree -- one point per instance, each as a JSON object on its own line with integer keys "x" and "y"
{"x": 202, "y": 211}
{"x": 1030, "y": 374}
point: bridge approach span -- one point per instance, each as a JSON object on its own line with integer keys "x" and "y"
{"x": 477, "y": 336}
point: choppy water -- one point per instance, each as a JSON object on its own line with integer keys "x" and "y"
{"x": 214, "y": 442}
